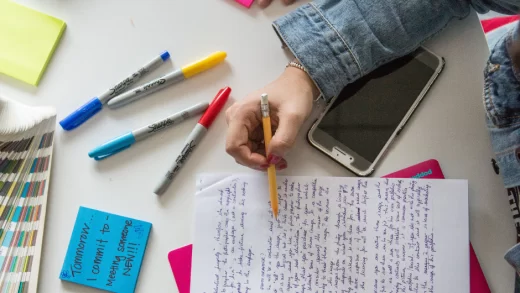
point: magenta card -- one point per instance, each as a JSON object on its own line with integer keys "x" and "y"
{"x": 180, "y": 262}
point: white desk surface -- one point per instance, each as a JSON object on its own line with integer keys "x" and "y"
{"x": 106, "y": 40}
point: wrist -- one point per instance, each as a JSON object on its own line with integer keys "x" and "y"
{"x": 303, "y": 78}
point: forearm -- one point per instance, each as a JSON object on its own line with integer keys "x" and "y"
{"x": 339, "y": 41}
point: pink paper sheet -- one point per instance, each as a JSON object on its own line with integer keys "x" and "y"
{"x": 180, "y": 259}
{"x": 180, "y": 262}
{"x": 246, "y": 3}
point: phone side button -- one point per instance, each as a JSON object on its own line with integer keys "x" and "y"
{"x": 399, "y": 131}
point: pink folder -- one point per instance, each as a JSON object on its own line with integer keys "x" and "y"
{"x": 180, "y": 259}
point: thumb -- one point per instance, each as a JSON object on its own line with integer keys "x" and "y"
{"x": 284, "y": 138}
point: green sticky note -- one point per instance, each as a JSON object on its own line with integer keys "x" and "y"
{"x": 28, "y": 39}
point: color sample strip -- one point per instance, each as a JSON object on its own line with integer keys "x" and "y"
{"x": 24, "y": 171}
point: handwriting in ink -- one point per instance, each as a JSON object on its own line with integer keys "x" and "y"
{"x": 124, "y": 235}
{"x": 327, "y": 238}
{"x": 77, "y": 267}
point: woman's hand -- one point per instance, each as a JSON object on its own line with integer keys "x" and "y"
{"x": 290, "y": 101}
{"x": 265, "y": 3}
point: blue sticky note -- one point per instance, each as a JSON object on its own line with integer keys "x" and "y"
{"x": 105, "y": 251}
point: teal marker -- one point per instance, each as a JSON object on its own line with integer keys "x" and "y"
{"x": 126, "y": 140}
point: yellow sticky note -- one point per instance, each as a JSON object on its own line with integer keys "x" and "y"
{"x": 28, "y": 39}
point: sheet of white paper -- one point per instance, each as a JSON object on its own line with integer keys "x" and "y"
{"x": 332, "y": 235}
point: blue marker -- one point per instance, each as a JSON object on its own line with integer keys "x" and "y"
{"x": 126, "y": 140}
{"x": 96, "y": 104}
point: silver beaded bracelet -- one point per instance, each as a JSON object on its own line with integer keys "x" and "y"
{"x": 296, "y": 65}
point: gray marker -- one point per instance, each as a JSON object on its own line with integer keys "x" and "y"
{"x": 95, "y": 105}
{"x": 146, "y": 89}
{"x": 131, "y": 79}
{"x": 194, "y": 138}
{"x": 126, "y": 140}
{"x": 169, "y": 79}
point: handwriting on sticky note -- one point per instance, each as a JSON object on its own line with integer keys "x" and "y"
{"x": 105, "y": 251}
{"x": 332, "y": 235}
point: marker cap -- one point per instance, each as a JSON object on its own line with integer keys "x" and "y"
{"x": 165, "y": 55}
{"x": 203, "y": 64}
{"x": 82, "y": 114}
{"x": 214, "y": 108}
{"x": 112, "y": 147}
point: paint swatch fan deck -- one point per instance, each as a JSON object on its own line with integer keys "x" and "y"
{"x": 26, "y": 143}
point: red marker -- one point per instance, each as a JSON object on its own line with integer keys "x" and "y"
{"x": 194, "y": 138}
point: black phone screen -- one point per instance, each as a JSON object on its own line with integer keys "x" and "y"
{"x": 367, "y": 112}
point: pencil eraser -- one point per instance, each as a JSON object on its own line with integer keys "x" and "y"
{"x": 246, "y": 3}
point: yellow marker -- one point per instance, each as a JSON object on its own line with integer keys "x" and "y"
{"x": 169, "y": 79}
{"x": 271, "y": 171}
{"x": 203, "y": 64}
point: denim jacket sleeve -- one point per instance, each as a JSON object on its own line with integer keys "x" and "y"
{"x": 339, "y": 41}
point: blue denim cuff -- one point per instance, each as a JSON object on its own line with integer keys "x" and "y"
{"x": 319, "y": 48}
{"x": 513, "y": 257}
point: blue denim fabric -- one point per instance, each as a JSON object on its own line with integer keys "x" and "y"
{"x": 495, "y": 35}
{"x": 513, "y": 257}
{"x": 339, "y": 41}
{"x": 502, "y": 105}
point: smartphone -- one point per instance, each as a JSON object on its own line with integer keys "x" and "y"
{"x": 359, "y": 124}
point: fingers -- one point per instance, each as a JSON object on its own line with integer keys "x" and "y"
{"x": 284, "y": 137}
{"x": 281, "y": 165}
{"x": 239, "y": 146}
{"x": 264, "y": 3}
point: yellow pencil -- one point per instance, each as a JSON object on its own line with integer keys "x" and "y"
{"x": 271, "y": 171}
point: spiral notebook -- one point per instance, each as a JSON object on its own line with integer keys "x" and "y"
{"x": 26, "y": 143}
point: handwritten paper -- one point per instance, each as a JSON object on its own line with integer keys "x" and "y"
{"x": 105, "y": 251}
{"x": 332, "y": 235}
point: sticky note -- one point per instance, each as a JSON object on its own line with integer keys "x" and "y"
{"x": 246, "y": 3}
{"x": 28, "y": 39}
{"x": 105, "y": 251}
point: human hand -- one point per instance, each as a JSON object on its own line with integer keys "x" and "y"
{"x": 290, "y": 102}
{"x": 265, "y": 3}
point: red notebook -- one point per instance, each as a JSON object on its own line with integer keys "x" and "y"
{"x": 180, "y": 259}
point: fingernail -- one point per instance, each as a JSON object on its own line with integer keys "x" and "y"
{"x": 282, "y": 166}
{"x": 264, "y": 166}
{"x": 273, "y": 159}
